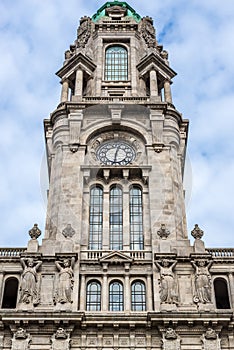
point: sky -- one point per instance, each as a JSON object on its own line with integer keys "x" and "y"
{"x": 198, "y": 35}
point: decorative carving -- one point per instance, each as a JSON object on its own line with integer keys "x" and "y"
{"x": 60, "y": 340}
{"x": 210, "y": 340}
{"x": 170, "y": 333}
{"x": 210, "y": 333}
{"x": 202, "y": 281}
{"x": 20, "y": 333}
{"x": 61, "y": 333}
{"x": 20, "y": 340}
{"x": 168, "y": 293}
{"x": 35, "y": 232}
{"x": 163, "y": 232}
{"x": 116, "y": 11}
{"x": 65, "y": 284}
{"x": 148, "y": 32}
{"x": 68, "y": 231}
{"x": 197, "y": 233}
{"x": 28, "y": 286}
{"x": 164, "y": 55}
{"x": 170, "y": 340}
{"x": 84, "y": 31}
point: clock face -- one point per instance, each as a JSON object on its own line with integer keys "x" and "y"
{"x": 116, "y": 153}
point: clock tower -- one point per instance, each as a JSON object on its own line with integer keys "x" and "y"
{"x": 116, "y": 269}
{"x": 116, "y": 132}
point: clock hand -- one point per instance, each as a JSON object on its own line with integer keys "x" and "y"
{"x": 117, "y": 150}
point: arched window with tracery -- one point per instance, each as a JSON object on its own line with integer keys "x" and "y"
{"x": 116, "y": 63}
{"x": 221, "y": 294}
{"x": 136, "y": 219}
{"x": 96, "y": 218}
{"x": 10, "y": 293}
{"x": 116, "y": 300}
{"x": 138, "y": 296}
{"x": 93, "y": 296}
{"x": 116, "y": 218}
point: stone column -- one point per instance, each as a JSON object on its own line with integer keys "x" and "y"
{"x": 167, "y": 91}
{"x": 127, "y": 293}
{"x": 79, "y": 83}
{"x": 105, "y": 293}
{"x": 153, "y": 83}
{"x": 82, "y": 293}
{"x": 231, "y": 284}
{"x": 149, "y": 304}
{"x": 65, "y": 91}
{"x": 126, "y": 231}
{"x": 2, "y": 284}
{"x": 105, "y": 228}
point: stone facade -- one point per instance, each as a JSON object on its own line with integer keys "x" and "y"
{"x": 116, "y": 268}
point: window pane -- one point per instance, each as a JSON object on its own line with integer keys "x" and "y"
{"x": 93, "y": 296}
{"x": 116, "y": 218}
{"x": 116, "y": 297}
{"x": 95, "y": 218}
{"x": 136, "y": 219}
{"x": 116, "y": 67}
{"x": 138, "y": 296}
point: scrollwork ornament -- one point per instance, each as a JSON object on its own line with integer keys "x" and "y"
{"x": 197, "y": 233}
{"x": 68, "y": 232}
{"x": 84, "y": 32}
{"x": 163, "y": 232}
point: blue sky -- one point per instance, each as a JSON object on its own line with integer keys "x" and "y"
{"x": 199, "y": 37}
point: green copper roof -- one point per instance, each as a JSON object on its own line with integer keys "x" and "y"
{"x": 130, "y": 11}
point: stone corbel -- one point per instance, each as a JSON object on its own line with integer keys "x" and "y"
{"x": 87, "y": 175}
{"x": 158, "y": 147}
{"x": 116, "y": 116}
{"x": 106, "y": 174}
{"x": 74, "y": 147}
{"x": 125, "y": 174}
{"x": 145, "y": 175}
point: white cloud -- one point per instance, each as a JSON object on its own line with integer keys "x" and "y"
{"x": 198, "y": 35}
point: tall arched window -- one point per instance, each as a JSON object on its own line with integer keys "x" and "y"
{"x": 116, "y": 302}
{"x": 10, "y": 293}
{"x": 95, "y": 218}
{"x": 221, "y": 294}
{"x": 116, "y": 63}
{"x": 138, "y": 296}
{"x": 116, "y": 218}
{"x": 136, "y": 219}
{"x": 93, "y": 296}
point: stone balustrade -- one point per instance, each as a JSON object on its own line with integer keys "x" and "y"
{"x": 11, "y": 252}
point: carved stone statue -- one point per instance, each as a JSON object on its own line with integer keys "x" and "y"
{"x": 28, "y": 286}
{"x": 65, "y": 284}
{"x": 20, "y": 340}
{"x": 202, "y": 281}
{"x": 84, "y": 31}
{"x": 168, "y": 283}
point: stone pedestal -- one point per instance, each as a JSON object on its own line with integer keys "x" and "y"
{"x": 171, "y": 344}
